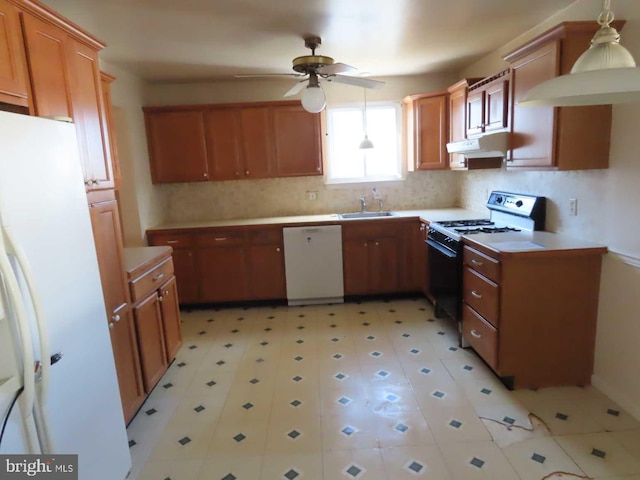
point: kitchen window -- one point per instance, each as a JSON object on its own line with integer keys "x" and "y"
{"x": 346, "y": 163}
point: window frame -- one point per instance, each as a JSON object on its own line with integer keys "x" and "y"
{"x": 369, "y": 179}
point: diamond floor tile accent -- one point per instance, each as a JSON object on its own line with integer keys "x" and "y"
{"x": 296, "y": 403}
{"x": 293, "y": 434}
{"x": 344, "y": 400}
{"x": 199, "y": 408}
{"x": 401, "y": 427}
{"x": 538, "y": 458}
{"x": 184, "y": 440}
{"x": 415, "y": 467}
{"x": 229, "y": 476}
{"x": 354, "y": 471}
{"x": 240, "y": 437}
{"x": 455, "y": 423}
{"x": 598, "y": 453}
{"x": 291, "y": 474}
{"x": 476, "y": 462}
{"x": 562, "y": 416}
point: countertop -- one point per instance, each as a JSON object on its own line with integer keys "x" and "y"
{"x": 503, "y": 244}
{"x": 431, "y": 215}
{"x": 139, "y": 259}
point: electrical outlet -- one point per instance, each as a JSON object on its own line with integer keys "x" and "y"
{"x": 312, "y": 195}
{"x": 573, "y": 206}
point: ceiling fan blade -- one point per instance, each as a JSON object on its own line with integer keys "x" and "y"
{"x": 356, "y": 81}
{"x": 335, "y": 68}
{"x": 258, "y": 75}
{"x": 298, "y": 87}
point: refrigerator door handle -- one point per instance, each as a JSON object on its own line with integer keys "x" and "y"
{"x": 43, "y": 376}
{"x": 24, "y": 330}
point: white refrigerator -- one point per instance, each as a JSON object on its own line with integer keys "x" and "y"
{"x": 51, "y": 303}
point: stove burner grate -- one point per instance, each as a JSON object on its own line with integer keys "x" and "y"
{"x": 471, "y": 231}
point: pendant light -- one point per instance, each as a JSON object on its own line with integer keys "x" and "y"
{"x": 605, "y": 74}
{"x": 313, "y": 97}
{"x": 365, "y": 143}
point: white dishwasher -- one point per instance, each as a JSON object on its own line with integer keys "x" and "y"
{"x": 313, "y": 264}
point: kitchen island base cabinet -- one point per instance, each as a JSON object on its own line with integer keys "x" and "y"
{"x": 539, "y": 329}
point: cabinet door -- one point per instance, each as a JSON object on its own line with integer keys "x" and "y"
{"x": 430, "y": 125}
{"x": 105, "y": 223}
{"x": 170, "y": 318}
{"x": 221, "y": 273}
{"x": 127, "y": 361}
{"x": 475, "y": 112}
{"x": 257, "y": 146}
{"x": 89, "y": 116}
{"x": 185, "y": 270}
{"x": 222, "y": 131}
{"x": 457, "y": 124}
{"x": 266, "y": 272}
{"x": 106, "y": 81}
{"x": 383, "y": 261}
{"x": 48, "y": 68}
{"x": 413, "y": 257}
{"x": 532, "y": 128}
{"x": 148, "y": 321}
{"x": 13, "y": 80}
{"x": 496, "y": 106}
{"x": 297, "y": 142}
{"x": 355, "y": 260}
{"x": 177, "y": 147}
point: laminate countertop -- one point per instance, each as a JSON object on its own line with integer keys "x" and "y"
{"x": 137, "y": 260}
{"x": 430, "y": 215}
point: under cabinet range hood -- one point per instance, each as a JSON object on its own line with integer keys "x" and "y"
{"x": 487, "y": 146}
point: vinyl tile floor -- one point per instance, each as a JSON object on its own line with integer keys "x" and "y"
{"x": 372, "y": 390}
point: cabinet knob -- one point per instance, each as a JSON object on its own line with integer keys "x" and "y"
{"x": 166, "y": 292}
{"x": 160, "y": 298}
{"x": 277, "y": 249}
{"x": 205, "y": 175}
{"x": 318, "y": 169}
{"x": 377, "y": 244}
{"x": 366, "y": 244}
{"x": 246, "y": 172}
{"x": 95, "y": 181}
{"x": 87, "y": 183}
{"x": 116, "y": 318}
{"x": 111, "y": 325}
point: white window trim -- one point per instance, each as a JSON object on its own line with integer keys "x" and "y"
{"x": 364, "y": 181}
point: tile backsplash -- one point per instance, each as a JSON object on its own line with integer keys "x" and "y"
{"x": 287, "y": 196}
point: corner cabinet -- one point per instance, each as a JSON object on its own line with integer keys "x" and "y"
{"x": 232, "y": 142}
{"x": 428, "y": 131}
{"x": 555, "y": 138}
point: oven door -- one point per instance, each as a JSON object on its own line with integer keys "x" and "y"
{"x": 445, "y": 278}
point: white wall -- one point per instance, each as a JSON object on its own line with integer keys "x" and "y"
{"x": 141, "y": 204}
{"x": 607, "y": 212}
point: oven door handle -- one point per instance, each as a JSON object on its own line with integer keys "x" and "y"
{"x": 441, "y": 249}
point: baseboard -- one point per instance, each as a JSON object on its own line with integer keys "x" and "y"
{"x": 632, "y": 407}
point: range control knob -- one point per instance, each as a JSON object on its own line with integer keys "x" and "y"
{"x": 519, "y": 203}
{"x": 499, "y": 199}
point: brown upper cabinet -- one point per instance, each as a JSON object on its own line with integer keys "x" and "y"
{"x": 13, "y": 78}
{"x": 233, "y": 141}
{"x": 487, "y": 105}
{"x": 555, "y": 138}
{"x": 60, "y": 78}
{"x": 427, "y": 130}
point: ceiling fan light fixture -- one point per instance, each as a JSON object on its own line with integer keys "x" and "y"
{"x": 604, "y": 74}
{"x": 313, "y": 99}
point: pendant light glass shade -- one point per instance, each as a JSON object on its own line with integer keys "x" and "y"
{"x": 605, "y": 74}
{"x": 365, "y": 143}
{"x": 313, "y": 99}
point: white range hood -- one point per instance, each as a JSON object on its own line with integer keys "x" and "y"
{"x": 487, "y": 146}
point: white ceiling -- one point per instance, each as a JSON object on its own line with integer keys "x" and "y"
{"x": 195, "y": 40}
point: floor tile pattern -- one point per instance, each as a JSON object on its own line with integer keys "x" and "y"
{"x": 371, "y": 390}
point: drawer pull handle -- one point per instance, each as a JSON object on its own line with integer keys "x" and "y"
{"x": 158, "y": 277}
{"x": 475, "y": 334}
{"x": 475, "y": 294}
{"x": 173, "y": 241}
{"x": 220, "y": 239}
{"x": 476, "y": 262}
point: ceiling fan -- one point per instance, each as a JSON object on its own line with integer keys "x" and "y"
{"x": 315, "y": 67}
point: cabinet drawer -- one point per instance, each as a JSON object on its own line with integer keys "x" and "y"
{"x": 481, "y": 294}
{"x": 178, "y": 240}
{"x": 481, "y": 336}
{"x": 151, "y": 280}
{"x": 220, "y": 238}
{"x": 265, "y": 236}
{"x": 481, "y": 263}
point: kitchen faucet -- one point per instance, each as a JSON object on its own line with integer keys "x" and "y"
{"x": 363, "y": 203}
{"x": 378, "y": 196}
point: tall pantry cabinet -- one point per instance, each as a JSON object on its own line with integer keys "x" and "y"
{"x": 49, "y": 67}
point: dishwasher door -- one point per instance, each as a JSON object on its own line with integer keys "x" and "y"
{"x": 313, "y": 264}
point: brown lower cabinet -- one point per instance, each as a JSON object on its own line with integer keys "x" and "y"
{"x": 127, "y": 360}
{"x": 532, "y": 316}
{"x": 156, "y": 315}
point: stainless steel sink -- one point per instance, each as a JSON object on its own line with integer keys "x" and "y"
{"x": 347, "y": 216}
